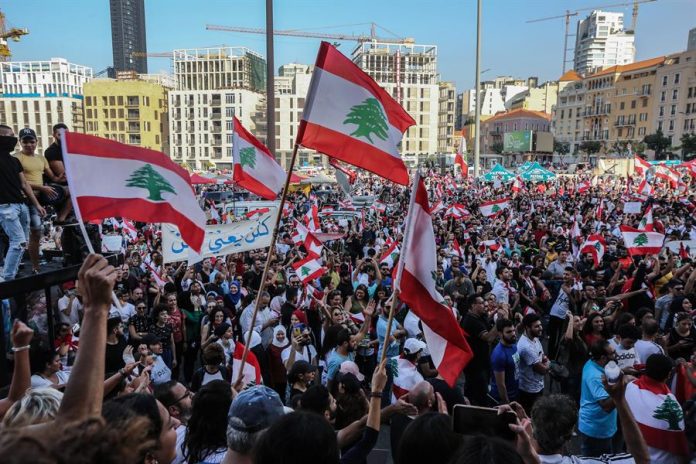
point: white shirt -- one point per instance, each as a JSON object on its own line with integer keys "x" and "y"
{"x": 125, "y": 313}
{"x": 76, "y": 308}
{"x": 626, "y": 358}
{"x": 180, "y": 436}
{"x": 307, "y": 352}
{"x": 645, "y": 348}
{"x": 531, "y": 352}
{"x": 38, "y": 382}
{"x": 502, "y": 291}
{"x": 264, "y": 315}
{"x": 229, "y": 349}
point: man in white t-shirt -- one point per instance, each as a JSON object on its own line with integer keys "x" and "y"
{"x": 534, "y": 364}
{"x": 648, "y": 344}
{"x": 626, "y": 356}
{"x": 69, "y": 306}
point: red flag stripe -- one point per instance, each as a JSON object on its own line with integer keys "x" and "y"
{"x": 254, "y": 185}
{"x": 249, "y": 138}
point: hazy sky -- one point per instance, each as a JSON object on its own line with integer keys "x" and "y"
{"x": 79, "y": 30}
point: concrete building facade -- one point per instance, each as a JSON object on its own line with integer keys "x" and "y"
{"x": 494, "y": 129}
{"x": 409, "y": 73}
{"x": 128, "y": 35}
{"x": 541, "y": 98}
{"x": 674, "y": 109}
{"x": 567, "y": 116}
{"x": 131, "y": 111}
{"x": 602, "y": 41}
{"x": 39, "y": 94}
{"x": 213, "y": 85}
{"x": 447, "y": 105}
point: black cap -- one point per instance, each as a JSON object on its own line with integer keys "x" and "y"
{"x": 27, "y": 133}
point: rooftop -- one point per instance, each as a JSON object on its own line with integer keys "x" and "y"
{"x": 519, "y": 113}
{"x": 629, "y": 67}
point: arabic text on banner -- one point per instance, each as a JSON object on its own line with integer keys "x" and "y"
{"x": 221, "y": 239}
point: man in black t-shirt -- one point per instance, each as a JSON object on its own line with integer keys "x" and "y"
{"x": 54, "y": 153}
{"x": 480, "y": 333}
{"x": 14, "y": 214}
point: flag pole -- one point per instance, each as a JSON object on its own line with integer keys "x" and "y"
{"x": 271, "y": 251}
{"x": 76, "y": 206}
{"x": 400, "y": 264}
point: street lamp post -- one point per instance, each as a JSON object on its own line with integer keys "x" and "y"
{"x": 270, "y": 80}
{"x": 477, "y": 114}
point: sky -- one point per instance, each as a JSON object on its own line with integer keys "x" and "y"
{"x": 79, "y": 30}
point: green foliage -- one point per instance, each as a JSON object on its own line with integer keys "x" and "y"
{"x": 657, "y": 142}
{"x": 688, "y": 146}
{"x": 562, "y": 148}
{"x": 590, "y": 146}
{"x": 497, "y": 147}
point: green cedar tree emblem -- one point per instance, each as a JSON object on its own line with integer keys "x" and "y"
{"x": 495, "y": 209}
{"x": 643, "y": 223}
{"x": 304, "y": 270}
{"x": 393, "y": 367}
{"x": 151, "y": 180}
{"x": 598, "y": 247}
{"x": 370, "y": 119}
{"x": 640, "y": 240}
{"x": 671, "y": 412}
{"x": 247, "y": 157}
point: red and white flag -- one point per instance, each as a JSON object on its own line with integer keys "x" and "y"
{"x": 517, "y": 185}
{"x": 255, "y": 168}
{"x": 346, "y": 205}
{"x": 415, "y": 278}
{"x": 348, "y": 116}
{"x": 599, "y": 212}
{"x": 640, "y": 166}
{"x": 311, "y": 218}
{"x": 596, "y": 246}
{"x": 143, "y": 185}
{"x": 309, "y": 269}
{"x": 256, "y": 212}
{"x": 389, "y": 257}
{"x": 158, "y": 278}
{"x": 494, "y": 207}
{"x": 352, "y": 175}
{"x": 129, "y": 228}
{"x": 659, "y": 417}
{"x": 405, "y": 374}
{"x": 582, "y": 187}
{"x": 437, "y": 207}
{"x": 287, "y": 209}
{"x": 639, "y": 242}
{"x": 379, "y": 207}
{"x": 457, "y": 249}
{"x": 252, "y": 368}
{"x": 457, "y": 211}
{"x": 668, "y": 174}
{"x": 460, "y": 158}
{"x": 492, "y": 244}
{"x": 645, "y": 189}
{"x": 303, "y": 236}
{"x": 647, "y": 223}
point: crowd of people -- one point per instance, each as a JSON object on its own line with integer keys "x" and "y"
{"x": 230, "y": 360}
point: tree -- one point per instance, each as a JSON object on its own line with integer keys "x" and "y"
{"x": 370, "y": 119}
{"x": 640, "y": 240}
{"x": 247, "y": 157}
{"x": 151, "y": 180}
{"x": 688, "y": 146}
{"x": 497, "y": 147}
{"x": 562, "y": 148}
{"x": 657, "y": 142}
{"x": 590, "y": 147}
{"x": 671, "y": 412}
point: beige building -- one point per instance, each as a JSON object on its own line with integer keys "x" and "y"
{"x": 567, "y": 116}
{"x": 674, "y": 110}
{"x": 129, "y": 110}
{"x": 447, "y": 105}
{"x": 541, "y": 98}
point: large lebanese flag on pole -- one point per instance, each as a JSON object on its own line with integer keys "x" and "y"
{"x": 658, "y": 414}
{"x": 255, "y": 168}
{"x": 348, "y": 116}
{"x": 595, "y": 245}
{"x": 415, "y": 279}
{"x": 309, "y": 269}
{"x": 252, "y": 368}
{"x": 640, "y": 166}
{"x": 647, "y": 223}
{"x": 639, "y": 242}
{"x": 109, "y": 178}
{"x": 494, "y": 207}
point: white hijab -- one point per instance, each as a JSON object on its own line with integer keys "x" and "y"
{"x": 276, "y": 329}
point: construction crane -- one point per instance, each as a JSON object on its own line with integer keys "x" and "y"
{"x": 568, "y": 14}
{"x": 317, "y": 35}
{"x": 13, "y": 33}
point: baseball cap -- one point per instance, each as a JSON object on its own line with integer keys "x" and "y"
{"x": 27, "y": 133}
{"x": 349, "y": 367}
{"x": 256, "y": 409}
{"x": 413, "y": 346}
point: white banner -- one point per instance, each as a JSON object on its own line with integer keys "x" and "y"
{"x": 674, "y": 246}
{"x": 221, "y": 239}
{"x": 112, "y": 243}
{"x": 632, "y": 207}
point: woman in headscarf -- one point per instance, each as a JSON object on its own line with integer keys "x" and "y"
{"x": 276, "y": 368}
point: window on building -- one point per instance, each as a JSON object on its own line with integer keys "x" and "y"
{"x": 621, "y": 105}
{"x": 619, "y": 132}
{"x": 662, "y": 111}
{"x": 676, "y": 78}
{"x": 675, "y": 94}
{"x": 633, "y": 104}
{"x": 120, "y": 100}
{"x": 229, "y": 98}
{"x": 673, "y": 110}
{"x": 664, "y": 80}
{"x": 671, "y": 125}
{"x": 663, "y": 96}
{"x": 659, "y": 125}
{"x": 641, "y": 131}
{"x": 645, "y": 103}
{"x": 229, "y": 125}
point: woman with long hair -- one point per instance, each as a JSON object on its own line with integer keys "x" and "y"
{"x": 594, "y": 329}
{"x": 216, "y": 319}
{"x": 206, "y": 437}
{"x": 357, "y": 302}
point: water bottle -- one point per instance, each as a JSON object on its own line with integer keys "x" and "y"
{"x": 612, "y": 372}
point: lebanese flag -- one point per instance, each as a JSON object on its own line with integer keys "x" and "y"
{"x": 299, "y": 233}
{"x": 575, "y": 232}
{"x": 327, "y": 209}
{"x": 303, "y": 236}
{"x": 517, "y": 185}
{"x": 457, "y": 211}
{"x": 405, "y": 374}
{"x": 255, "y": 168}
{"x": 596, "y": 246}
{"x": 348, "y": 116}
{"x": 457, "y": 249}
{"x": 311, "y": 218}
{"x": 668, "y": 174}
{"x": 492, "y": 244}
{"x": 252, "y": 368}
{"x": 645, "y": 189}
{"x": 309, "y": 269}
{"x": 389, "y": 256}
{"x": 647, "y": 223}
{"x": 143, "y": 185}
{"x": 352, "y": 175}
{"x": 599, "y": 212}
{"x": 640, "y": 166}
{"x": 639, "y": 242}
{"x": 461, "y": 160}
{"x": 346, "y": 205}
{"x": 437, "y": 207}
{"x": 683, "y": 252}
{"x": 129, "y": 228}
{"x": 158, "y": 278}
{"x": 256, "y": 212}
{"x": 287, "y": 209}
{"x": 494, "y": 207}
{"x": 658, "y": 414}
{"x": 379, "y": 207}
{"x": 690, "y": 167}
{"x": 582, "y": 187}
{"x": 449, "y": 350}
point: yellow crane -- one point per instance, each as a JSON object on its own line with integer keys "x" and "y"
{"x": 13, "y": 33}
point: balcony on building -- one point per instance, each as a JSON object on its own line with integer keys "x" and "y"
{"x": 132, "y": 101}
{"x": 217, "y": 153}
{"x": 133, "y": 127}
{"x": 217, "y": 141}
{"x": 134, "y": 139}
{"x": 216, "y": 128}
{"x": 133, "y": 114}
{"x": 215, "y": 115}
{"x": 215, "y": 100}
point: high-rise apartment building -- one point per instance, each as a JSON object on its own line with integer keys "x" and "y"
{"x": 132, "y": 111}
{"x": 674, "y": 107}
{"x": 213, "y": 85}
{"x": 409, "y": 73}
{"x": 447, "y": 105}
{"x": 691, "y": 41}
{"x": 128, "y": 35}
{"x": 39, "y": 94}
{"x": 601, "y": 41}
